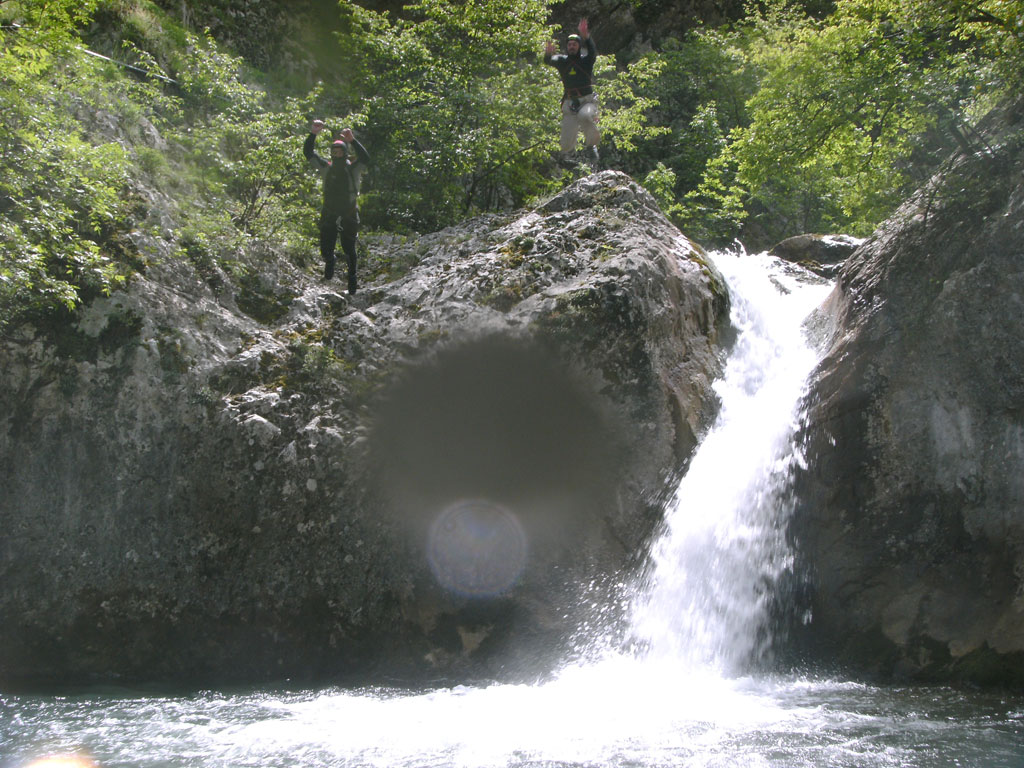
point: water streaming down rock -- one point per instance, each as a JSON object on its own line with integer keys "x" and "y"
{"x": 704, "y": 598}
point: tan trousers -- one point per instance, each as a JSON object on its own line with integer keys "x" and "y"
{"x": 583, "y": 120}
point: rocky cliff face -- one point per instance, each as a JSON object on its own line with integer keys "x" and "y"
{"x": 911, "y": 529}
{"x": 202, "y": 481}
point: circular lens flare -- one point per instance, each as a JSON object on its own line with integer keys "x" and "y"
{"x": 476, "y": 547}
{"x": 62, "y": 761}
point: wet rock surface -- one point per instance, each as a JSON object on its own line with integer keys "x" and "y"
{"x": 911, "y": 526}
{"x": 204, "y": 482}
{"x": 822, "y": 254}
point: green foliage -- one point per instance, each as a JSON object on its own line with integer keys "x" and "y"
{"x": 988, "y": 38}
{"x": 459, "y": 110}
{"x": 661, "y": 183}
{"x": 625, "y": 107}
{"x": 452, "y": 102}
{"x": 852, "y": 111}
{"x": 715, "y": 211}
{"x": 226, "y": 155}
{"x": 64, "y": 200}
{"x": 241, "y": 168}
{"x": 707, "y": 69}
{"x": 785, "y": 122}
{"x": 834, "y": 119}
{"x": 37, "y": 34}
{"x": 261, "y": 164}
{"x": 212, "y": 81}
{"x": 702, "y": 86}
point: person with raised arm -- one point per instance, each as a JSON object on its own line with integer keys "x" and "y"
{"x": 339, "y": 214}
{"x": 579, "y": 101}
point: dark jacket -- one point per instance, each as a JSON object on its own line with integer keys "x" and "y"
{"x": 577, "y": 72}
{"x": 341, "y": 180}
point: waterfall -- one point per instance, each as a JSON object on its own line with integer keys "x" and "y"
{"x": 698, "y": 615}
{"x": 702, "y": 602}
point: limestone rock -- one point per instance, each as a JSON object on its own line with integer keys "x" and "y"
{"x": 911, "y": 527}
{"x": 202, "y": 481}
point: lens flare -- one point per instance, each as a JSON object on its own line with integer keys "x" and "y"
{"x": 63, "y": 761}
{"x": 476, "y": 547}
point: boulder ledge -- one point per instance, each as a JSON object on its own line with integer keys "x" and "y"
{"x": 204, "y": 482}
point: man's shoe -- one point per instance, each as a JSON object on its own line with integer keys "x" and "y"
{"x": 565, "y": 160}
{"x": 329, "y": 270}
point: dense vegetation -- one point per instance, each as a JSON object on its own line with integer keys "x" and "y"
{"x": 795, "y": 118}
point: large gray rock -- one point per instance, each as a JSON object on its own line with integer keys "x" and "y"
{"x": 205, "y": 481}
{"x": 822, "y": 254}
{"x": 911, "y": 526}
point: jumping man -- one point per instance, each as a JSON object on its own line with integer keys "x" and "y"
{"x": 339, "y": 215}
{"x": 579, "y": 102}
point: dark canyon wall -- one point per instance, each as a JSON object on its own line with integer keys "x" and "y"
{"x": 911, "y": 528}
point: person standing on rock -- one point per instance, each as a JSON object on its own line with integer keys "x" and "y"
{"x": 339, "y": 215}
{"x": 579, "y": 102}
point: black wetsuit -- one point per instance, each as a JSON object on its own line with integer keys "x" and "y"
{"x": 339, "y": 215}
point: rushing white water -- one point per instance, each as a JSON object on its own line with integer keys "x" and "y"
{"x": 682, "y": 700}
{"x": 723, "y": 546}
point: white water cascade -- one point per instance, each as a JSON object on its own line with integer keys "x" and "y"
{"x": 682, "y": 698}
{"x": 703, "y": 603}
{"x": 697, "y": 615}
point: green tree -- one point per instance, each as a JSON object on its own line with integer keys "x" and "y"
{"x": 702, "y": 86}
{"x": 851, "y": 111}
{"x": 459, "y": 110}
{"x": 451, "y": 103}
{"x": 245, "y": 143}
{"x": 63, "y": 198}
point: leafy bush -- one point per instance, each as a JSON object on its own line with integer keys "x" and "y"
{"x": 852, "y": 111}
{"x": 459, "y": 110}
{"x": 63, "y": 199}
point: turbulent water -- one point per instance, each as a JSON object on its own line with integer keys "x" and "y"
{"x": 681, "y": 696}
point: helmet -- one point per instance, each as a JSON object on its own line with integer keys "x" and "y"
{"x": 339, "y": 144}
{"x": 577, "y": 38}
